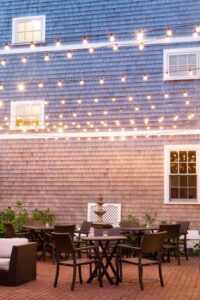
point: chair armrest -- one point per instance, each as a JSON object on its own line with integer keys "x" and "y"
{"x": 129, "y": 247}
{"x": 86, "y": 248}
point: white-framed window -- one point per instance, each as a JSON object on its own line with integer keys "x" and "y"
{"x": 181, "y": 174}
{"x": 27, "y": 115}
{"x": 180, "y": 64}
{"x": 28, "y": 29}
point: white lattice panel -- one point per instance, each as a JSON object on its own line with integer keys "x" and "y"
{"x": 112, "y": 215}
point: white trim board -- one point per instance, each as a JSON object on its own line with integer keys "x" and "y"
{"x": 99, "y": 134}
{"x": 81, "y": 46}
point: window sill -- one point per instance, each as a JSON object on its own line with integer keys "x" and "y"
{"x": 181, "y": 78}
{"x": 28, "y": 43}
{"x": 182, "y": 203}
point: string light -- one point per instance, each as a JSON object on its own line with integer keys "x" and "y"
{"x": 115, "y": 47}
{"x": 3, "y": 62}
{"x": 101, "y": 81}
{"x": 145, "y": 77}
{"x": 21, "y": 87}
{"x": 59, "y": 83}
{"x": 32, "y": 45}
{"x": 79, "y": 101}
{"x": 141, "y": 46}
{"x": 81, "y": 82}
{"x": 40, "y": 84}
{"x": 6, "y": 47}
{"x": 96, "y": 100}
{"x": 47, "y": 57}
{"x": 113, "y": 99}
{"x": 69, "y": 55}
{"x": 197, "y": 28}
{"x": 112, "y": 38}
{"x": 62, "y": 102}
{"x": 130, "y": 98}
{"x": 140, "y": 36}
{"x": 91, "y": 50}
{"x": 85, "y": 40}
{"x": 169, "y": 32}
{"x": 190, "y": 72}
{"x": 58, "y": 43}
{"x": 1, "y": 86}
{"x": 24, "y": 60}
{"x": 148, "y": 97}
{"x": 123, "y": 79}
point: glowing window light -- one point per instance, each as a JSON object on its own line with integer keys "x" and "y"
{"x": 166, "y": 96}
{"x": 187, "y": 102}
{"x": 185, "y": 94}
{"x": 89, "y": 114}
{"x": 195, "y": 34}
{"x": 137, "y": 108}
{"x": 175, "y": 118}
{"x": 113, "y": 99}
{"x": 74, "y": 115}
{"x": 105, "y": 112}
{"x": 132, "y": 122}
{"x": 190, "y": 72}
{"x": 197, "y": 28}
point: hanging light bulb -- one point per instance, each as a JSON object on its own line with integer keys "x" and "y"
{"x": 145, "y": 77}
{"x": 140, "y": 36}
{"x": 153, "y": 106}
{"x": 47, "y": 57}
{"x": 21, "y": 87}
{"x": 6, "y": 47}
{"x": 91, "y": 50}
{"x": 3, "y": 62}
{"x": 141, "y": 46}
{"x": 123, "y": 79}
{"x": 24, "y": 60}
{"x": 148, "y": 97}
{"x": 69, "y": 55}
{"x": 166, "y": 96}
{"x": 195, "y": 34}
{"x": 187, "y": 102}
{"x": 32, "y": 45}
{"x": 62, "y": 101}
{"x": 59, "y": 83}
{"x": 113, "y": 99}
{"x": 115, "y": 47}
{"x": 169, "y": 32}
{"x": 96, "y": 100}
{"x": 85, "y": 40}
{"x": 190, "y": 72}
{"x": 112, "y": 38}
{"x": 185, "y": 94}
{"x": 197, "y": 28}
{"x": 81, "y": 82}
{"x": 101, "y": 81}
{"x": 130, "y": 98}
{"x": 58, "y": 43}
{"x": 1, "y": 86}
{"x": 79, "y": 101}
{"x": 40, "y": 84}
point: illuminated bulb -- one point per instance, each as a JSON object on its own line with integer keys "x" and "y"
{"x": 60, "y": 116}
{"x": 153, "y": 106}
{"x": 117, "y": 123}
{"x": 58, "y": 43}
{"x": 96, "y": 100}
{"x": 141, "y": 46}
{"x": 197, "y": 28}
{"x": 145, "y": 77}
{"x": 91, "y": 50}
{"x": 85, "y": 41}
{"x": 140, "y": 36}
{"x": 59, "y": 83}
{"x": 136, "y": 108}
{"x": 176, "y": 118}
{"x": 190, "y": 72}
{"x": 5, "y": 118}
{"x": 174, "y": 126}
{"x": 105, "y": 112}
{"x": 3, "y": 62}
{"x": 115, "y": 47}
{"x": 24, "y": 60}
{"x": 62, "y": 102}
{"x": 32, "y": 45}
{"x": 185, "y": 94}
{"x": 191, "y": 116}
{"x": 41, "y": 85}
{"x": 89, "y": 113}
{"x": 101, "y": 81}
{"x": 148, "y": 97}
{"x": 166, "y": 96}
{"x": 195, "y": 34}
{"x": 21, "y": 87}
{"x": 132, "y": 122}
{"x": 46, "y": 57}
{"x": 69, "y": 55}
{"x": 79, "y": 101}
{"x": 46, "y": 102}
{"x": 187, "y": 102}
{"x": 123, "y": 79}
{"x": 113, "y": 99}
{"x": 167, "y": 74}
{"x": 161, "y": 119}
{"x": 112, "y": 38}
{"x": 169, "y": 32}
{"x": 146, "y": 121}
{"x": 81, "y": 82}
{"x": 74, "y": 115}
{"x": 130, "y": 98}
{"x": 1, "y": 103}
{"x": 6, "y": 47}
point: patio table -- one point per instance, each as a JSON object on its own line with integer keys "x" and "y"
{"x": 104, "y": 243}
{"x": 39, "y": 233}
{"x": 139, "y": 231}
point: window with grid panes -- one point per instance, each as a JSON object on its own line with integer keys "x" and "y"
{"x": 183, "y": 176}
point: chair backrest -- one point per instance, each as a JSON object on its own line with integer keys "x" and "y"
{"x": 173, "y": 230}
{"x": 10, "y": 231}
{"x": 184, "y": 226}
{"x": 108, "y": 231}
{"x": 129, "y": 224}
{"x": 65, "y": 229}
{"x": 153, "y": 242}
{"x": 63, "y": 242}
{"x": 85, "y": 227}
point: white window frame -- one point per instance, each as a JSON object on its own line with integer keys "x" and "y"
{"x": 13, "y": 126}
{"x": 166, "y": 55}
{"x": 167, "y": 150}
{"x": 14, "y": 28}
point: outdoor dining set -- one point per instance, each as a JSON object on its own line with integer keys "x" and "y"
{"x": 105, "y": 249}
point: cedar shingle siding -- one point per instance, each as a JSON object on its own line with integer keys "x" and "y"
{"x": 65, "y": 175}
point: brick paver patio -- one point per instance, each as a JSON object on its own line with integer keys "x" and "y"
{"x": 181, "y": 282}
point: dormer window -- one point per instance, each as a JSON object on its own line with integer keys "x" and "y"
{"x": 28, "y": 29}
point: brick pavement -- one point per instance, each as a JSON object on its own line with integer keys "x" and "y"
{"x": 181, "y": 283}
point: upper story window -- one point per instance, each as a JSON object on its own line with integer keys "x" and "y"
{"x": 27, "y": 115}
{"x": 28, "y": 29}
{"x": 181, "y": 174}
{"x": 181, "y": 64}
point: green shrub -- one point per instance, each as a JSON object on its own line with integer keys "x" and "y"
{"x": 43, "y": 215}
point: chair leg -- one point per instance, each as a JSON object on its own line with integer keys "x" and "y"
{"x": 80, "y": 275}
{"x": 160, "y": 275}
{"x": 140, "y": 272}
{"x": 73, "y": 278}
{"x": 117, "y": 271}
{"x": 185, "y": 249}
{"x": 57, "y": 274}
{"x": 100, "y": 275}
{"x": 178, "y": 256}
